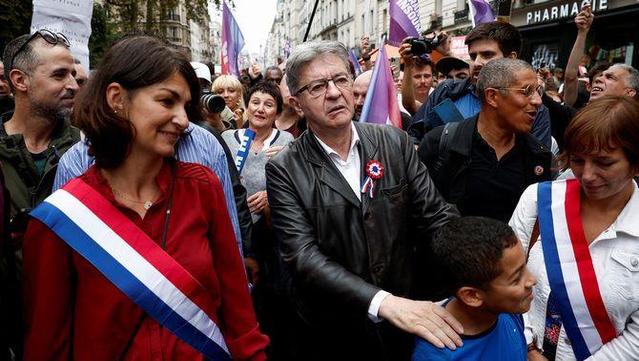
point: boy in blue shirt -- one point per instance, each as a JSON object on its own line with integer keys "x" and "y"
{"x": 484, "y": 267}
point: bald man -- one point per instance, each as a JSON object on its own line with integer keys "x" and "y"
{"x": 360, "y": 87}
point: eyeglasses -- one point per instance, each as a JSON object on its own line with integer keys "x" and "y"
{"x": 318, "y": 87}
{"x": 48, "y": 36}
{"x": 528, "y": 91}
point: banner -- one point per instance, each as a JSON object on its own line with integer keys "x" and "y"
{"x": 353, "y": 59}
{"x": 232, "y": 42}
{"x": 480, "y": 12}
{"x": 404, "y": 20}
{"x": 380, "y": 105}
{"x": 69, "y": 17}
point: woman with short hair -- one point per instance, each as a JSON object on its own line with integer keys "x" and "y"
{"x": 583, "y": 240}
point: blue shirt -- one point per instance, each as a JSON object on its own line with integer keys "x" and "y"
{"x": 468, "y": 105}
{"x": 196, "y": 146}
{"x": 503, "y": 342}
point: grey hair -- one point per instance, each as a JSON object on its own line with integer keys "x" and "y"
{"x": 307, "y": 52}
{"x": 632, "y": 81}
{"x": 499, "y": 73}
{"x": 26, "y": 60}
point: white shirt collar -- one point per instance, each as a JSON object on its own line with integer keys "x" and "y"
{"x": 267, "y": 141}
{"x": 627, "y": 221}
{"x": 331, "y": 151}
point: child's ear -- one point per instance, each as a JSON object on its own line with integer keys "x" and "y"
{"x": 470, "y": 296}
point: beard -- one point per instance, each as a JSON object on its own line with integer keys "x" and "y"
{"x": 54, "y": 113}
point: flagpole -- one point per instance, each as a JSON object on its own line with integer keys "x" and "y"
{"x": 310, "y": 21}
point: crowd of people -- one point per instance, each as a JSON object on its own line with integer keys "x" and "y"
{"x": 156, "y": 210}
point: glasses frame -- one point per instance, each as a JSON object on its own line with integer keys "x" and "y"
{"x": 539, "y": 90}
{"x": 48, "y": 36}
{"x": 326, "y": 81}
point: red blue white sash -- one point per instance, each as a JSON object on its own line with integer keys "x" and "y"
{"x": 134, "y": 263}
{"x": 571, "y": 274}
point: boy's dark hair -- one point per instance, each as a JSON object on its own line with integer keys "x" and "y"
{"x": 468, "y": 250}
{"x": 506, "y": 35}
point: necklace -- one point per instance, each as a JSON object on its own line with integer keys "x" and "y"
{"x": 146, "y": 204}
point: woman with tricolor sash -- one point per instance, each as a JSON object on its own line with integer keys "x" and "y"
{"x": 136, "y": 259}
{"x": 582, "y": 237}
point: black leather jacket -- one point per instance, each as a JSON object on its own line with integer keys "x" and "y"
{"x": 341, "y": 251}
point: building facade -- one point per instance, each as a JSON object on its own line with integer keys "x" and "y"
{"x": 348, "y": 20}
{"x": 549, "y": 31}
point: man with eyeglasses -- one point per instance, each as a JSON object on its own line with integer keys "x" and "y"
{"x": 353, "y": 209}
{"x": 484, "y": 163}
{"x": 486, "y": 42}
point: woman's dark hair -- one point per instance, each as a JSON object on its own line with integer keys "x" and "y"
{"x": 602, "y": 125}
{"x": 134, "y": 62}
{"x": 270, "y": 88}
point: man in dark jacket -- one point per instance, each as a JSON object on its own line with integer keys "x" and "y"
{"x": 350, "y": 205}
{"x": 486, "y": 42}
{"x": 484, "y": 163}
{"x": 40, "y": 72}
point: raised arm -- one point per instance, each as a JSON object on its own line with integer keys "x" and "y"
{"x": 583, "y": 21}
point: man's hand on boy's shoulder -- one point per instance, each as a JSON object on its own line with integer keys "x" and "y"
{"x": 424, "y": 319}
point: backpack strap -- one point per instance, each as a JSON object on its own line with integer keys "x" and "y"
{"x": 444, "y": 145}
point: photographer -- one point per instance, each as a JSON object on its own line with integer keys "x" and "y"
{"x": 418, "y": 69}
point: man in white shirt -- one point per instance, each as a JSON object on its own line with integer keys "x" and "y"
{"x": 353, "y": 209}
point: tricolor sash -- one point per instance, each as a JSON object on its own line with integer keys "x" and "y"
{"x": 571, "y": 274}
{"x": 135, "y": 264}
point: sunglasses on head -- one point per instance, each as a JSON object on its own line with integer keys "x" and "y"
{"x": 48, "y": 36}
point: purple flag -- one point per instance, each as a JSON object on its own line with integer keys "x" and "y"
{"x": 353, "y": 59}
{"x": 481, "y": 12}
{"x": 380, "y": 105}
{"x": 232, "y": 42}
{"x": 404, "y": 20}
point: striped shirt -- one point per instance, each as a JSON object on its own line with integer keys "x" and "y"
{"x": 196, "y": 146}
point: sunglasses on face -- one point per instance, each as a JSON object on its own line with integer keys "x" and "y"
{"x": 48, "y": 36}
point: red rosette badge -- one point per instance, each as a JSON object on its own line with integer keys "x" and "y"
{"x": 374, "y": 171}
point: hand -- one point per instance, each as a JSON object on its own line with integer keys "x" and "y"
{"x": 535, "y": 355}
{"x": 238, "y": 114}
{"x": 252, "y": 269}
{"x": 444, "y": 44}
{"x": 271, "y": 151}
{"x": 255, "y": 71}
{"x": 257, "y": 202}
{"x": 364, "y": 44}
{"x": 405, "y": 53}
{"x": 424, "y": 319}
{"x": 584, "y": 19}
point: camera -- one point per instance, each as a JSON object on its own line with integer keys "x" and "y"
{"x": 213, "y": 103}
{"x": 421, "y": 46}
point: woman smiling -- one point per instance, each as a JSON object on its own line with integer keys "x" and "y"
{"x": 136, "y": 259}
